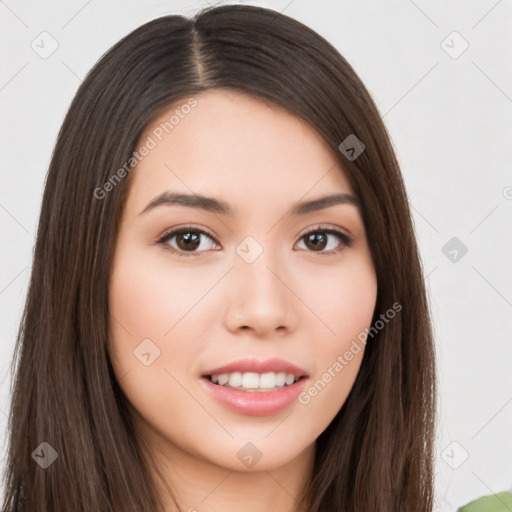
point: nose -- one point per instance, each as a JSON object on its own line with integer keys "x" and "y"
{"x": 261, "y": 298}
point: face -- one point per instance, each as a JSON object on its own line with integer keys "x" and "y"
{"x": 246, "y": 279}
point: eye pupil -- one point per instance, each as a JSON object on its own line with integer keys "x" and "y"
{"x": 318, "y": 240}
{"x": 190, "y": 240}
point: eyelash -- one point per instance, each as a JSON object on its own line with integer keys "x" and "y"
{"x": 344, "y": 238}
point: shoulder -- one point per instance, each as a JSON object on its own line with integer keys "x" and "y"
{"x": 500, "y": 502}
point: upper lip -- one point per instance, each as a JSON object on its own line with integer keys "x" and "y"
{"x": 257, "y": 366}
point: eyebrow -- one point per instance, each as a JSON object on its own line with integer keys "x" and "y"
{"x": 211, "y": 204}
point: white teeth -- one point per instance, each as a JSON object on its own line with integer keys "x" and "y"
{"x": 268, "y": 380}
{"x": 250, "y": 380}
{"x": 254, "y": 381}
{"x": 235, "y": 380}
{"x": 222, "y": 379}
{"x": 280, "y": 379}
{"x": 289, "y": 379}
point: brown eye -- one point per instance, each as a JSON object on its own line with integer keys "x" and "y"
{"x": 186, "y": 241}
{"x": 318, "y": 240}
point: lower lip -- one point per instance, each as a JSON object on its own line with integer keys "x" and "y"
{"x": 255, "y": 403}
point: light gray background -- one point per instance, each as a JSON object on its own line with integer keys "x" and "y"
{"x": 450, "y": 120}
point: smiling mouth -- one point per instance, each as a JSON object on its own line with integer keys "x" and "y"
{"x": 254, "y": 382}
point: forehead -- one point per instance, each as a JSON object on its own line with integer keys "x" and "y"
{"x": 231, "y": 143}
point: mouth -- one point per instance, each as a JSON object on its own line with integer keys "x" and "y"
{"x": 254, "y": 382}
{"x": 255, "y": 388}
{"x": 255, "y": 375}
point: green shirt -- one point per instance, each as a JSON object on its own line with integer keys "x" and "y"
{"x": 501, "y": 502}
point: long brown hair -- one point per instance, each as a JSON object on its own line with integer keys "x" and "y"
{"x": 377, "y": 453}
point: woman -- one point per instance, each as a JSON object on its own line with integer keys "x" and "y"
{"x": 227, "y": 307}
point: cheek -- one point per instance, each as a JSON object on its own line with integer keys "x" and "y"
{"x": 150, "y": 335}
{"x": 344, "y": 303}
{"x": 148, "y": 297}
{"x": 343, "y": 300}
{"x": 150, "y": 347}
